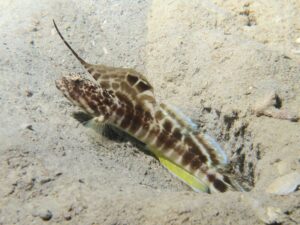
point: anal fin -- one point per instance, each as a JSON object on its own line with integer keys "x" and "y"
{"x": 194, "y": 182}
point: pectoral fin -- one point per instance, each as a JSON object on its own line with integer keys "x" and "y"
{"x": 96, "y": 123}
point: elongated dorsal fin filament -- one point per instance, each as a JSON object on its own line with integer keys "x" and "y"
{"x": 84, "y": 63}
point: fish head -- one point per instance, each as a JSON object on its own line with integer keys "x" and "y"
{"x": 89, "y": 96}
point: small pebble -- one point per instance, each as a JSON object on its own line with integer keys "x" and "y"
{"x": 27, "y": 126}
{"x": 272, "y": 215}
{"x": 44, "y": 215}
{"x": 81, "y": 181}
{"x": 105, "y": 50}
{"x": 249, "y": 91}
{"x": 58, "y": 174}
{"x": 298, "y": 40}
{"x": 45, "y": 180}
{"x": 268, "y": 215}
{"x": 67, "y": 216}
{"x": 28, "y": 93}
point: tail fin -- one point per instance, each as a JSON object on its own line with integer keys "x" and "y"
{"x": 84, "y": 63}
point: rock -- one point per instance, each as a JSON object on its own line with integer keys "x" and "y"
{"x": 271, "y": 215}
{"x": 267, "y": 214}
{"x": 45, "y": 180}
{"x": 285, "y": 184}
{"x": 28, "y": 93}
{"x": 27, "y": 126}
{"x": 271, "y": 106}
{"x": 287, "y": 165}
{"x": 67, "y": 216}
{"x": 43, "y": 214}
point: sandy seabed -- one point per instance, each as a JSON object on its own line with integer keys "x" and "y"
{"x": 218, "y": 61}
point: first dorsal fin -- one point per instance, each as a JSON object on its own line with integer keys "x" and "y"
{"x": 84, "y": 63}
{"x": 125, "y": 83}
{"x": 103, "y": 74}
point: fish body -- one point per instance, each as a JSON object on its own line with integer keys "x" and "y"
{"x": 125, "y": 99}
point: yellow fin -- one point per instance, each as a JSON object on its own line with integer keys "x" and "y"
{"x": 194, "y": 182}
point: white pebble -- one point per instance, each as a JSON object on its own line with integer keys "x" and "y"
{"x": 104, "y": 50}
{"x": 285, "y": 184}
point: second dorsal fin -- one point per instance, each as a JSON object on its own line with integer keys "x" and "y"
{"x": 189, "y": 128}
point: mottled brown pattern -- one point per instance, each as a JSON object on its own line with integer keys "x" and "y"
{"x": 83, "y": 91}
{"x": 132, "y": 79}
{"x": 127, "y": 117}
{"x": 159, "y": 115}
{"x": 211, "y": 177}
{"x": 148, "y": 117}
{"x": 177, "y": 134}
{"x": 137, "y": 119}
{"x": 125, "y": 98}
{"x": 172, "y": 114}
{"x": 195, "y": 149}
{"x": 93, "y": 105}
{"x": 219, "y": 185}
{"x": 128, "y": 89}
{"x": 91, "y": 70}
{"x": 97, "y": 76}
{"x": 162, "y": 137}
{"x": 180, "y": 150}
{"x": 187, "y": 157}
{"x": 120, "y": 112}
{"x": 115, "y": 86}
{"x": 196, "y": 163}
{"x": 167, "y": 126}
{"x": 153, "y": 133}
{"x": 110, "y": 76}
{"x": 227, "y": 180}
{"x": 143, "y": 131}
{"x": 142, "y": 86}
{"x": 105, "y": 84}
{"x": 145, "y": 98}
{"x": 170, "y": 143}
{"x": 210, "y": 150}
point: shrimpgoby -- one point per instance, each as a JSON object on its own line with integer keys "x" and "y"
{"x": 125, "y": 99}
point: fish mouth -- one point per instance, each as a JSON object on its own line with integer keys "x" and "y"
{"x": 60, "y": 84}
{"x": 77, "y": 90}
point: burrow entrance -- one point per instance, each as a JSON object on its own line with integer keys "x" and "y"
{"x": 230, "y": 130}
